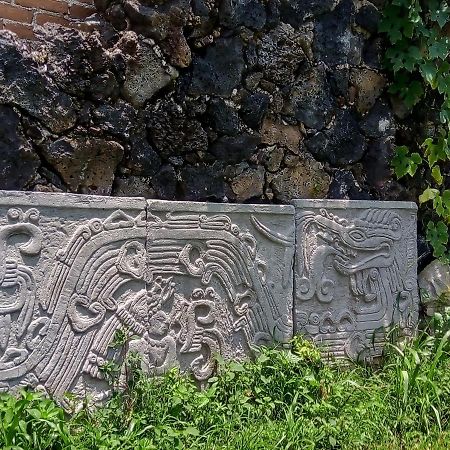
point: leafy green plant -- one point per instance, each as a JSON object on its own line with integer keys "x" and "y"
{"x": 31, "y": 421}
{"x": 418, "y": 55}
{"x": 284, "y": 399}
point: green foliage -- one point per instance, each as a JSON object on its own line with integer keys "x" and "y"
{"x": 405, "y": 164}
{"x": 282, "y": 400}
{"x": 418, "y": 56}
{"x": 437, "y": 234}
{"x": 30, "y": 421}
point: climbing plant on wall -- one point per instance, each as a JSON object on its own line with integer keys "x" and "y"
{"x": 419, "y": 37}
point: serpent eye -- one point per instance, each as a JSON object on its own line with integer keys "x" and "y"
{"x": 357, "y": 235}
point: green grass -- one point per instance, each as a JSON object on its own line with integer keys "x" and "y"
{"x": 282, "y": 400}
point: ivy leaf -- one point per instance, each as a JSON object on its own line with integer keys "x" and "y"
{"x": 441, "y": 205}
{"x": 413, "y": 94}
{"x": 428, "y": 194}
{"x": 403, "y": 163}
{"x": 404, "y": 56}
{"x": 436, "y": 174}
{"x": 435, "y": 152}
{"x": 395, "y": 23}
{"x": 439, "y": 14}
{"x": 437, "y": 235}
{"x": 446, "y": 201}
{"x": 429, "y": 72}
{"x": 440, "y": 48}
{"x": 444, "y": 116}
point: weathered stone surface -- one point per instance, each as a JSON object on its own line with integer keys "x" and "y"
{"x": 304, "y": 178}
{"x": 355, "y": 274}
{"x": 173, "y": 132}
{"x": 164, "y": 22}
{"x": 310, "y": 100}
{"x": 86, "y": 165}
{"x": 185, "y": 281}
{"x": 202, "y": 183}
{"x": 369, "y": 86}
{"x": 74, "y": 272}
{"x": 220, "y": 274}
{"x": 18, "y": 162}
{"x": 271, "y": 157}
{"x": 133, "y": 186}
{"x": 250, "y": 13}
{"x": 71, "y": 274}
{"x": 254, "y": 108}
{"x": 165, "y": 183}
{"x": 340, "y": 145}
{"x": 220, "y": 70}
{"x": 280, "y": 53}
{"x": 224, "y": 118}
{"x": 368, "y": 17}
{"x": 378, "y": 122}
{"x": 146, "y": 75}
{"x": 248, "y": 183}
{"x": 344, "y": 186}
{"x": 292, "y": 75}
{"x": 235, "y": 149}
{"x": 377, "y": 162}
{"x": 142, "y": 159}
{"x": 289, "y": 136}
{"x": 295, "y": 12}
{"x": 78, "y": 63}
{"x": 334, "y": 40}
{"x": 22, "y": 85}
{"x": 434, "y": 284}
{"x": 118, "y": 120}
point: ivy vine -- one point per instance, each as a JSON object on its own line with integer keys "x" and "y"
{"x": 419, "y": 37}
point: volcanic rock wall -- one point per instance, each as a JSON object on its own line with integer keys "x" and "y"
{"x": 221, "y": 100}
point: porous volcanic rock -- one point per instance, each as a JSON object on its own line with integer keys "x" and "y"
{"x": 340, "y": 145}
{"x": 146, "y": 74}
{"x": 248, "y": 183}
{"x": 18, "y": 162}
{"x": 87, "y": 165}
{"x": 22, "y": 84}
{"x": 225, "y": 100}
{"x": 305, "y": 178}
{"x": 219, "y": 71}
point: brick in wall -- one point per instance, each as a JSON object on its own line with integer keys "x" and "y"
{"x": 23, "y": 16}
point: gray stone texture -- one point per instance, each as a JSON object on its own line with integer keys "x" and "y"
{"x": 72, "y": 272}
{"x": 182, "y": 281}
{"x": 355, "y": 274}
{"x": 222, "y": 282}
{"x": 434, "y": 285}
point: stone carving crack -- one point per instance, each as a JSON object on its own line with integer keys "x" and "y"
{"x": 187, "y": 281}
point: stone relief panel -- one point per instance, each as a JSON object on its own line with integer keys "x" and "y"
{"x": 72, "y": 272}
{"x": 220, "y": 281}
{"x": 191, "y": 280}
{"x": 355, "y": 274}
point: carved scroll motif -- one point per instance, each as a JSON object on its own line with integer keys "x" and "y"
{"x": 353, "y": 278}
{"x": 46, "y": 340}
{"x": 185, "y": 285}
{"x": 223, "y": 301}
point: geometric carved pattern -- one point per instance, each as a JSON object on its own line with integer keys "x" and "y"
{"x": 186, "y": 280}
{"x": 225, "y": 273}
{"x": 72, "y": 270}
{"x": 355, "y": 274}
{"x": 191, "y": 280}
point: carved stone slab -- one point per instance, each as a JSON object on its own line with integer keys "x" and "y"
{"x": 355, "y": 274}
{"x": 72, "y": 272}
{"x": 220, "y": 280}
